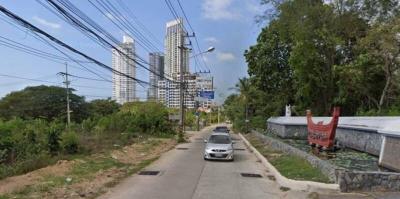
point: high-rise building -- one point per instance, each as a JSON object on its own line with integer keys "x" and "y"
{"x": 156, "y": 61}
{"x": 174, "y": 55}
{"x": 124, "y": 88}
{"x": 169, "y": 93}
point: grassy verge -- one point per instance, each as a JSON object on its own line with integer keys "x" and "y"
{"x": 292, "y": 167}
{"x": 90, "y": 176}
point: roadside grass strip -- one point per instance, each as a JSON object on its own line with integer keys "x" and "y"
{"x": 86, "y": 171}
{"x": 290, "y": 166}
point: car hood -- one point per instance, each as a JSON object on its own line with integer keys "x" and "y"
{"x": 219, "y": 146}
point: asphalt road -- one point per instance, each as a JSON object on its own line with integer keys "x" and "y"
{"x": 185, "y": 175}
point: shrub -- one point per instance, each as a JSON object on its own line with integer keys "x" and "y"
{"x": 70, "y": 142}
{"x": 53, "y": 139}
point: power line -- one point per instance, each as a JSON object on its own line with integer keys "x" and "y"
{"x": 88, "y": 78}
{"x": 123, "y": 21}
{"x": 30, "y": 79}
{"x": 29, "y": 26}
{"x": 49, "y": 44}
{"x": 77, "y": 23}
{"x": 191, "y": 28}
{"x": 137, "y": 21}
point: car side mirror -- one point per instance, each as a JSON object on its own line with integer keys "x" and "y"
{"x": 205, "y": 141}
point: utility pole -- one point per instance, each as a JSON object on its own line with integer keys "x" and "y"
{"x": 218, "y": 114}
{"x": 182, "y": 85}
{"x": 67, "y": 89}
{"x": 181, "y": 95}
{"x": 247, "y": 119}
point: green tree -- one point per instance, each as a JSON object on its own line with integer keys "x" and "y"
{"x": 46, "y": 102}
{"x": 102, "y": 107}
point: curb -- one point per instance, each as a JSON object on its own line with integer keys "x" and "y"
{"x": 283, "y": 181}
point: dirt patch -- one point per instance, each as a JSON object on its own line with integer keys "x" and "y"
{"x": 60, "y": 181}
{"x": 103, "y": 180}
{"x": 16, "y": 183}
{"x": 138, "y": 151}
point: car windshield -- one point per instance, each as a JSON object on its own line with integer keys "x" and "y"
{"x": 221, "y": 128}
{"x": 219, "y": 139}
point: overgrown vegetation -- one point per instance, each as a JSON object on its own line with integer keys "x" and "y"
{"x": 31, "y": 138}
{"x": 317, "y": 54}
{"x": 104, "y": 168}
{"x": 292, "y": 167}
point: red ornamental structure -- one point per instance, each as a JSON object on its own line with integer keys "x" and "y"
{"x": 323, "y": 134}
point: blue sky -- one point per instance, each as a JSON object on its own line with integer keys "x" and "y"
{"x": 226, "y": 24}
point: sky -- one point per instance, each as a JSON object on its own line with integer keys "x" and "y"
{"x": 228, "y": 25}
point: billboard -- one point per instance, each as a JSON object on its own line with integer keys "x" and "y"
{"x": 207, "y": 94}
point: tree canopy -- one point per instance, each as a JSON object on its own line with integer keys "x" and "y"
{"x": 46, "y": 102}
{"x": 315, "y": 54}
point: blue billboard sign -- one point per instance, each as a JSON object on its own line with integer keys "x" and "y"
{"x": 207, "y": 94}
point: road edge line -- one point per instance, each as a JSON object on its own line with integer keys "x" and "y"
{"x": 283, "y": 181}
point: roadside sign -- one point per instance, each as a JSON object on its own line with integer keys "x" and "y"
{"x": 207, "y": 94}
{"x": 201, "y": 99}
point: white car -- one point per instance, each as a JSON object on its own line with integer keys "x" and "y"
{"x": 219, "y": 146}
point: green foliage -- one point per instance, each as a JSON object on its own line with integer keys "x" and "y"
{"x": 316, "y": 55}
{"x": 102, "y": 107}
{"x": 45, "y": 102}
{"x": 70, "y": 142}
{"x": 54, "y": 138}
{"x": 290, "y": 166}
{"x": 26, "y": 145}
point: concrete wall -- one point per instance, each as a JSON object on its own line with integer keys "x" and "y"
{"x": 289, "y": 131}
{"x": 368, "y": 181}
{"x": 361, "y": 140}
{"x": 367, "y": 141}
{"x": 360, "y": 133}
{"x": 390, "y": 155}
{"x": 348, "y": 180}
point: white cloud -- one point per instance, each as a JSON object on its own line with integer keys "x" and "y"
{"x": 254, "y": 7}
{"x": 225, "y": 56}
{"x": 212, "y": 40}
{"x": 46, "y": 23}
{"x": 218, "y": 9}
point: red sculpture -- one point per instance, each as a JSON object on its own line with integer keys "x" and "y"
{"x": 323, "y": 134}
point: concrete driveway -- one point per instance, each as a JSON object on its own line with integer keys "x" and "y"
{"x": 185, "y": 175}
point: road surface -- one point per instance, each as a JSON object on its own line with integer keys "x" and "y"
{"x": 185, "y": 175}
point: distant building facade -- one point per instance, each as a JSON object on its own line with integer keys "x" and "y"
{"x": 174, "y": 56}
{"x": 124, "y": 88}
{"x": 156, "y": 61}
{"x": 169, "y": 92}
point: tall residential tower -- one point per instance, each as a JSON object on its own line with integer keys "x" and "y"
{"x": 156, "y": 61}
{"x": 124, "y": 88}
{"x": 174, "y": 38}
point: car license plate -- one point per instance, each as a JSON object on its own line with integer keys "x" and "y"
{"x": 219, "y": 155}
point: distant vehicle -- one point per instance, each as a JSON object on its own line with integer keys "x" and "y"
{"x": 219, "y": 146}
{"x": 221, "y": 129}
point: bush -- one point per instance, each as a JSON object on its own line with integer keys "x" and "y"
{"x": 53, "y": 139}
{"x": 70, "y": 142}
